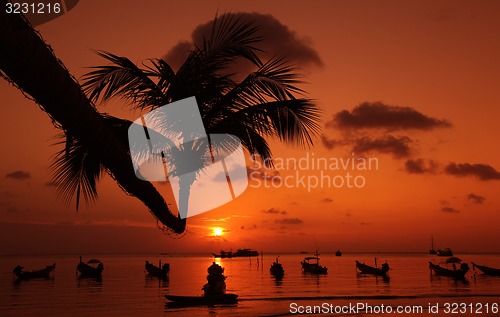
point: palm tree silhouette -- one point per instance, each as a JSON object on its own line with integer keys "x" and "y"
{"x": 262, "y": 105}
{"x": 31, "y": 66}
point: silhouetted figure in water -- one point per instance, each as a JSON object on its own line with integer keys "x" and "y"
{"x": 215, "y": 278}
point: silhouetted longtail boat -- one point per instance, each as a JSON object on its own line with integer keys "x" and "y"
{"x": 459, "y": 273}
{"x": 239, "y": 253}
{"x": 444, "y": 252}
{"x": 157, "y": 271}
{"x": 27, "y": 275}
{"x": 90, "y": 271}
{"x": 487, "y": 270}
{"x": 366, "y": 269}
{"x": 311, "y": 265}
{"x": 277, "y": 269}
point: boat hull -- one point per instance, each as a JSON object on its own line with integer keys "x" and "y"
{"x": 238, "y": 254}
{"x": 445, "y": 252}
{"x": 441, "y": 271}
{"x": 87, "y": 271}
{"x": 39, "y": 274}
{"x": 277, "y": 270}
{"x": 487, "y": 270}
{"x": 155, "y": 271}
{"x": 203, "y": 300}
{"x": 314, "y": 268}
{"x": 366, "y": 269}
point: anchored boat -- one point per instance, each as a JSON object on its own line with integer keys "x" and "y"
{"x": 92, "y": 269}
{"x": 238, "y": 253}
{"x": 277, "y": 269}
{"x": 28, "y": 275}
{"x": 487, "y": 270}
{"x": 366, "y": 269}
{"x": 458, "y": 273}
{"x": 311, "y": 265}
{"x": 157, "y": 271}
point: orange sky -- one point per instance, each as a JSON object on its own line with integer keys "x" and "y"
{"x": 438, "y": 57}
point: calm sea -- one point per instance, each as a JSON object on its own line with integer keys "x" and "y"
{"x": 126, "y": 291}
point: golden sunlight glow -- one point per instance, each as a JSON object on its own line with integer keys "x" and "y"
{"x": 217, "y": 232}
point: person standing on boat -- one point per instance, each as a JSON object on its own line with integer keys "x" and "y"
{"x": 216, "y": 281}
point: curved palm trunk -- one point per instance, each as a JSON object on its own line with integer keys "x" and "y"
{"x": 184, "y": 193}
{"x": 31, "y": 65}
{"x": 185, "y": 183}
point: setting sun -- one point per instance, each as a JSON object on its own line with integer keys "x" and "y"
{"x": 217, "y": 232}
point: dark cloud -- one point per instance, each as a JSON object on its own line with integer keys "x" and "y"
{"x": 365, "y": 223}
{"x": 376, "y": 115}
{"x": 476, "y": 199}
{"x": 224, "y": 219}
{"x": 51, "y": 184}
{"x": 482, "y": 171}
{"x": 277, "y": 39}
{"x": 253, "y": 227}
{"x": 450, "y": 210}
{"x": 281, "y": 230}
{"x": 235, "y": 170}
{"x": 289, "y": 221}
{"x": 274, "y": 211}
{"x": 328, "y": 143}
{"x": 326, "y": 200}
{"x": 265, "y": 175}
{"x": 420, "y": 166}
{"x": 398, "y": 147}
{"x": 444, "y": 202}
{"x": 19, "y": 175}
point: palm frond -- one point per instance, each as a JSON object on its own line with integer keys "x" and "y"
{"x": 255, "y": 144}
{"x": 76, "y": 172}
{"x": 124, "y": 79}
{"x": 276, "y": 80}
{"x": 292, "y": 121}
{"x": 164, "y": 72}
{"x": 194, "y": 78}
{"x": 231, "y": 37}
